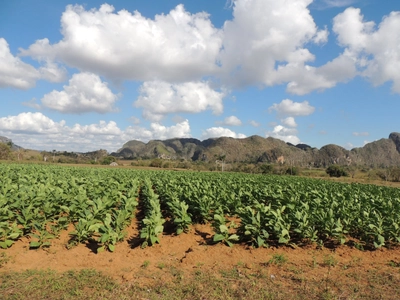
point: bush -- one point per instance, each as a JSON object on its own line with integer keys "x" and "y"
{"x": 336, "y": 171}
{"x": 108, "y": 160}
{"x": 5, "y": 151}
{"x": 292, "y": 171}
{"x": 156, "y": 163}
{"x": 167, "y": 165}
{"x": 267, "y": 169}
{"x": 389, "y": 174}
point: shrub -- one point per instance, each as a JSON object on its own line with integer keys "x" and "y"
{"x": 108, "y": 160}
{"x": 292, "y": 171}
{"x": 267, "y": 169}
{"x": 336, "y": 171}
{"x": 156, "y": 163}
{"x": 167, "y": 165}
{"x": 5, "y": 151}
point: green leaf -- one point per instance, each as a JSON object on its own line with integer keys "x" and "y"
{"x": 46, "y": 244}
{"x": 6, "y": 244}
{"x": 111, "y": 247}
{"x": 35, "y": 244}
{"x": 13, "y": 236}
{"x": 223, "y": 228}
{"x": 218, "y": 237}
{"x": 260, "y": 241}
{"x": 233, "y": 237}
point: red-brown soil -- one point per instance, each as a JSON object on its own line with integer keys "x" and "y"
{"x": 188, "y": 252}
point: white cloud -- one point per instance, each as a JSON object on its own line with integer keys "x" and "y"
{"x": 53, "y": 72}
{"x": 35, "y": 123}
{"x": 85, "y": 93}
{"x": 37, "y": 131}
{"x": 14, "y": 72}
{"x": 174, "y": 47}
{"x": 285, "y": 134}
{"x": 215, "y": 132}
{"x": 322, "y": 36}
{"x": 32, "y": 103}
{"x": 158, "y": 98}
{"x": 231, "y": 121}
{"x": 289, "y": 121}
{"x": 376, "y": 49}
{"x": 265, "y": 44}
{"x": 305, "y": 80}
{"x": 361, "y": 133}
{"x": 103, "y": 128}
{"x": 266, "y": 33}
{"x": 289, "y": 108}
{"x": 158, "y": 132}
{"x": 254, "y": 123}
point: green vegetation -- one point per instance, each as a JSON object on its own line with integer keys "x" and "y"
{"x": 39, "y": 201}
{"x": 235, "y": 283}
{"x": 336, "y": 171}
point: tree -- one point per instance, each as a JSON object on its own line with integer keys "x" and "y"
{"x": 108, "y": 160}
{"x": 336, "y": 171}
{"x": 5, "y": 151}
{"x": 221, "y": 160}
{"x": 267, "y": 169}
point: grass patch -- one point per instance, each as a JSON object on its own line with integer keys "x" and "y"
{"x": 278, "y": 259}
{"x": 228, "y": 284}
{"x": 88, "y": 284}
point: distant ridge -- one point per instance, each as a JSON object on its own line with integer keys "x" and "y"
{"x": 255, "y": 149}
{"x": 5, "y": 140}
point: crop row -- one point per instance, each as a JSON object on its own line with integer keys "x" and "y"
{"x": 38, "y": 202}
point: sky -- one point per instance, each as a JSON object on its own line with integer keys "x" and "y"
{"x": 83, "y": 76}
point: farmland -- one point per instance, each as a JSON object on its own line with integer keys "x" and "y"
{"x": 105, "y": 211}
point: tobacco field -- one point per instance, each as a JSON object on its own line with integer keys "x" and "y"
{"x": 40, "y": 201}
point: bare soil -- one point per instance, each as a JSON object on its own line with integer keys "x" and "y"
{"x": 344, "y": 269}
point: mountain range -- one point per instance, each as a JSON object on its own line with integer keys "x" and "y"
{"x": 256, "y": 149}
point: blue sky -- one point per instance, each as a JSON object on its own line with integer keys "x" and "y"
{"x": 82, "y": 76}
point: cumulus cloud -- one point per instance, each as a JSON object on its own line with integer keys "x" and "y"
{"x": 174, "y": 47}
{"x": 265, "y": 44}
{"x": 289, "y": 108}
{"x": 158, "y": 98}
{"x": 85, "y": 93}
{"x": 53, "y": 72}
{"x": 375, "y": 48}
{"x": 288, "y": 132}
{"x": 159, "y": 132}
{"x": 285, "y": 134}
{"x": 35, "y": 123}
{"x": 231, "y": 121}
{"x": 14, "y": 72}
{"x": 37, "y": 131}
{"x": 215, "y": 132}
{"x": 289, "y": 121}
{"x": 305, "y": 80}
{"x": 103, "y": 128}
